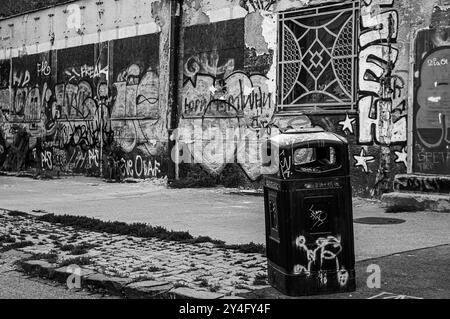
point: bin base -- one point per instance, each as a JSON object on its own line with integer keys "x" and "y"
{"x": 308, "y": 285}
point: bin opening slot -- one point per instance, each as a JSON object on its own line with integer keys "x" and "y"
{"x": 316, "y": 159}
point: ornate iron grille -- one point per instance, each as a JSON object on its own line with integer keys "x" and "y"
{"x": 317, "y": 58}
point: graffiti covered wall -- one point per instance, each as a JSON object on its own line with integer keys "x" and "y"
{"x": 382, "y": 92}
{"x": 228, "y": 91}
{"x": 94, "y": 94}
{"x": 83, "y": 102}
{"x": 230, "y": 81}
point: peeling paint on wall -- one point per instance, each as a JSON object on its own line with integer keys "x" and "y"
{"x": 254, "y": 38}
{"x": 74, "y": 18}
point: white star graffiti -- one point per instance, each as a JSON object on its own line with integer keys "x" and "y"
{"x": 347, "y": 124}
{"x": 363, "y": 159}
{"x": 402, "y": 157}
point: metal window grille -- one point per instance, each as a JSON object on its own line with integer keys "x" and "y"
{"x": 317, "y": 61}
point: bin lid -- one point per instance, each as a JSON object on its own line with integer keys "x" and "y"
{"x": 305, "y": 136}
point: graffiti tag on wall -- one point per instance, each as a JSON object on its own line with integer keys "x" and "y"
{"x": 382, "y": 103}
{"x": 431, "y": 104}
{"x": 247, "y": 95}
{"x": 63, "y": 106}
{"x": 137, "y": 93}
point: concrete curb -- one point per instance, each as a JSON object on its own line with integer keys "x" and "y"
{"x": 187, "y": 293}
{"x": 123, "y": 287}
{"x": 148, "y": 289}
{"x": 257, "y": 193}
{"x": 18, "y": 174}
{"x": 415, "y": 202}
{"x": 114, "y": 285}
{"x": 38, "y": 268}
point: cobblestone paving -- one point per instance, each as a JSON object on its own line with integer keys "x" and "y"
{"x": 199, "y": 266}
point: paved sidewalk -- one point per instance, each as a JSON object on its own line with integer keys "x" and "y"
{"x": 212, "y": 212}
{"x": 203, "y": 212}
{"x": 204, "y": 271}
{"x": 417, "y": 274}
{"x": 198, "y": 266}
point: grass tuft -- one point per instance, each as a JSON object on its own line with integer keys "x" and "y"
{"x": 16, "y": 213}
{"x": 50, "y": 257}
{"x": 79, "y": 261}
{"x": 143, "y": 231}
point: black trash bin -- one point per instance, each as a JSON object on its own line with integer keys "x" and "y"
{"x": 308, "y": 209}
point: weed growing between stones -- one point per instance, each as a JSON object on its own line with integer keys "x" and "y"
{"x": 79, "y": 261}
{"x": 144, "y": 231}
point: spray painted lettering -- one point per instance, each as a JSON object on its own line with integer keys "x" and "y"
{"x": 238, "y": 94}
{"x": 207, "y": 64}
{"x": 138, "y": 167}
{"x": 86, "y": 71}
{"x": 136, "y": 93}
{"x": 381, "y": 107}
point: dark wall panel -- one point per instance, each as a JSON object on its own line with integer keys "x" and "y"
{"x": 136, "y": 77}
{"x": 431, "y": 103}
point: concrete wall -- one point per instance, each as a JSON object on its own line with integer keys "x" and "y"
{"x": 75, "y": 78}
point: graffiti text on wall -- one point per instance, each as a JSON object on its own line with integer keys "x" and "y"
{"x": 139, "y": 167}
{"x": 237, "y": 94}
{"x": 382, "y": 104}
{"x": 431, "y": 106}
{"x": 207, "y": 64}
{"x": 137, "y": 93}
{"x": 255, "y": 5}
{"x": 58, "y": 111}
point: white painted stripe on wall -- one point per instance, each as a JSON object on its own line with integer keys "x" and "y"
{"x": 119, "y": 33}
